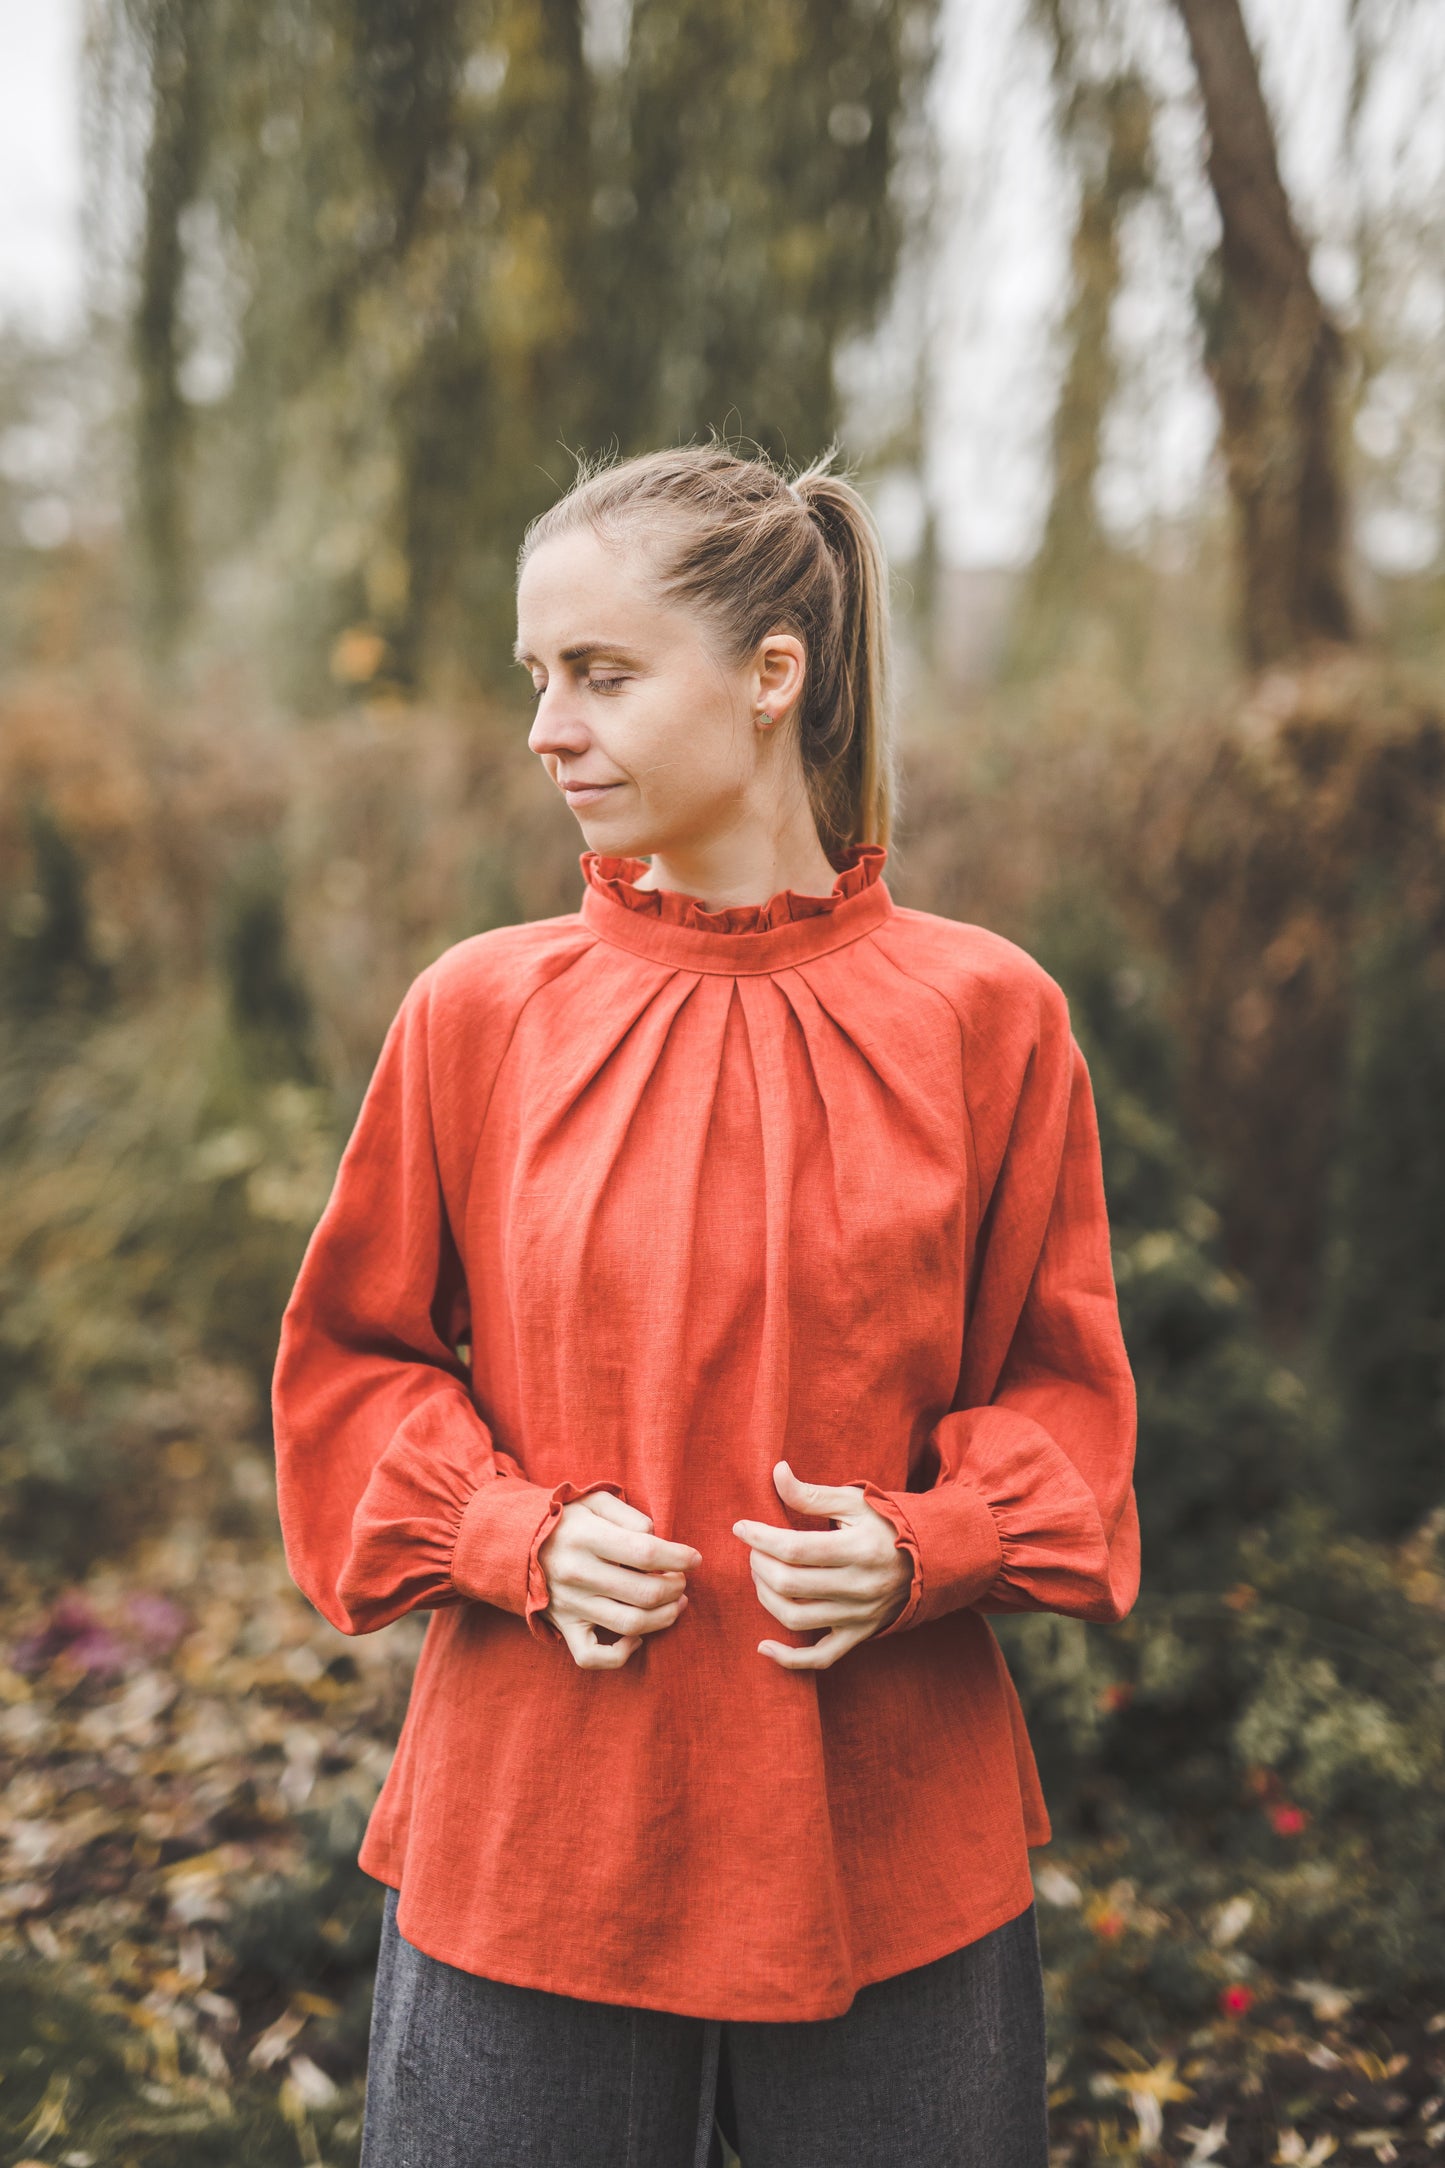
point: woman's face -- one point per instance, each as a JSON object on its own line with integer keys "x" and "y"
{"x": 639, "y": 721}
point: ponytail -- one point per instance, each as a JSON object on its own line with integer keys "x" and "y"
{"x": 862, "y": 781}
{"x": 752, "y": 550}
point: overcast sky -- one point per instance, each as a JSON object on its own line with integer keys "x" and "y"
{"x": 39, "y": 162}
{"x": 995, "y": 301}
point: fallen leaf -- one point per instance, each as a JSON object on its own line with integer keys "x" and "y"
{"x": 272, "y": 2044}
{"x": 1205, "y": 2144}
{"x": 311, "y": 2081}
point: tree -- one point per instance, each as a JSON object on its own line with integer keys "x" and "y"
{"x": 1275, "y": 358}
{"x": 174, "y": 34}
{"x": 454, "y": 241}
{"x": 1105, "y": 118}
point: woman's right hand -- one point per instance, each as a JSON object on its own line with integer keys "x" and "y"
{"x": 605, "y": 1567}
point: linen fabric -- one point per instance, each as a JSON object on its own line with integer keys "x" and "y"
{"x": 645, "y": 1197}
{"x": 941, "y": 2067}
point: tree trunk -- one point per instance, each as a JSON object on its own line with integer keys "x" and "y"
{"x": 1274, "y": 357}
{"x": 1108, "y": 127}
{"x": 162, "y": 427}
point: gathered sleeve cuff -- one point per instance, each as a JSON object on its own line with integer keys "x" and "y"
{"x": 953, "y": 1545}
{"x": 438, "y": 1523}
{"x": 498, "y": 1544}
{"x": 1024, "y": 1534}
{"x": 1025, "y": 1497}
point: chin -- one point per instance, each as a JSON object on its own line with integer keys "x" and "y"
{"x": 614, "y": 838}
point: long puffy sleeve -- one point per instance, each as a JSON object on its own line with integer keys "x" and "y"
{"x": 1031, "y": 1504}
{"x": 391, "y": 1494}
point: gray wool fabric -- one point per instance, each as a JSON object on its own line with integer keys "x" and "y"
{"x": 940, "y": 2067}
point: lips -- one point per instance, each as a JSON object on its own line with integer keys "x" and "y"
{"x": 586, "y": 793}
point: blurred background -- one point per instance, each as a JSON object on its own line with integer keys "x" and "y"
{"x": 1131, "y": 314}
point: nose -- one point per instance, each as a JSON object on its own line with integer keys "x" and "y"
{"x": 558, "y": 725}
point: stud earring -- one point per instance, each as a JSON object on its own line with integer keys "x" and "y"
{"x": 764, "y": 720}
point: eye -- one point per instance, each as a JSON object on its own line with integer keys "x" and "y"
{"x": 605, "y": 685}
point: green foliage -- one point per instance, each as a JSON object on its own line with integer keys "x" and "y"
{"x": 761, "y": 150}
{"x": 47, "y": 960}
{"x": 1383, "y": 1314}
{"x": 443, "y": 244}
{"x": 1271, "y": 1714}
{"x": 159, "y": 1195}
{"x": 1249, "y": 1815}
{"x": 1255, "y": 860}
{"x": 270, "y": 1010}
{"x": 1222, "y": 1433}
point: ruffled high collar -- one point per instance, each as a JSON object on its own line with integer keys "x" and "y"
{"x": 791, "y": 928}
{"x": 617, "y": 877}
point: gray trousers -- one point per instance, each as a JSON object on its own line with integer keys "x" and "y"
{"x": 942, "y": 2067}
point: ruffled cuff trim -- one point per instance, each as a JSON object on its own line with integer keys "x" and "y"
{"x": 503, "y": 1527}
{"x": 953, "y": 1540}
{"x": 886, "y": 1503}
{"x": 538, "y": 1593}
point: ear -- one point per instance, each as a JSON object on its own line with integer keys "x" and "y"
{"x": 780, "y": 667}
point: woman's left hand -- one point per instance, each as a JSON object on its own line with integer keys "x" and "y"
{"x": 850, "y": 1579}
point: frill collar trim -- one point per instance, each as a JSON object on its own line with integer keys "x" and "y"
{"x": 617, "y": 877}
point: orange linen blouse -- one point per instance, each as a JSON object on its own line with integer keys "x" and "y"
{"x": 647, "y": 1197}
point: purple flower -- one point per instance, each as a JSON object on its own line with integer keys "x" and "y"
{"x": 72, "y": 1628}
{"x": 68, "y": 1619}
{"x": 157, "y": 1621}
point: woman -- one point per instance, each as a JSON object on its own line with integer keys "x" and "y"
{"x": 712, "y": 1320}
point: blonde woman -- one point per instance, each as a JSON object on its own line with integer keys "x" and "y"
{"x": 711, "y": 1323}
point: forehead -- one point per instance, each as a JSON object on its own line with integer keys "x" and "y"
{"x": 573, "y": 586}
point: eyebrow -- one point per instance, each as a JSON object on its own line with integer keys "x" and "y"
{"x": 580, "y": 649}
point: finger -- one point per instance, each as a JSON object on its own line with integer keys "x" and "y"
{"x": 819, "y": 1656}
{"x": 816, "y": 1584}
{"x": 650, "y": 1554}
{"x": 649, "y": 1591}
{"x": 805, "y": 1618}
{"x": 800, "y": 1546}
{"x": 627, "y": 1620}
{"x": 590, "y": 1654}
{"x": 609, "y": 1508}
{"x": 821, "y": 1498}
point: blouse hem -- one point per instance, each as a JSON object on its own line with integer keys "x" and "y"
{"x": 795, "y": 2009}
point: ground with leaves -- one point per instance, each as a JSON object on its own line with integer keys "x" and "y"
{"x": 190, "y": 1754}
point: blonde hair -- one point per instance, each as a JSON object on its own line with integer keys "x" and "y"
{"x": 752, "y": 549}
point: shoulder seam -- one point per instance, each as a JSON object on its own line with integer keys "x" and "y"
{"x": 518, "y": 1012}
{"x": 990, "y": 936}
{"x": 937, "y": 991}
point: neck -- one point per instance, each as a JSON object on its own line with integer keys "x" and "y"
{"x": 748, "y": 865}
